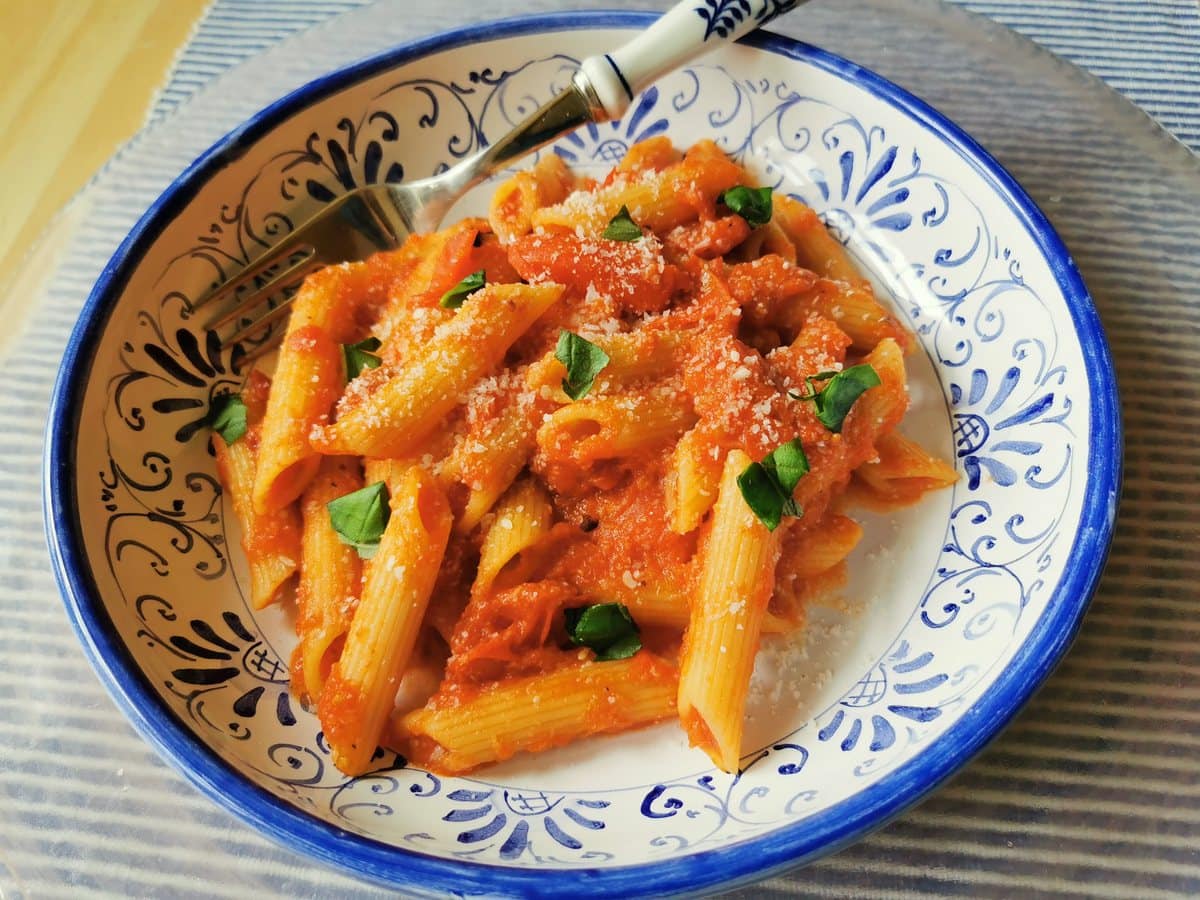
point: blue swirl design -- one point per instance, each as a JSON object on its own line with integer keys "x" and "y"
{"x": 963, "y": 294}
{"x": 607, "y": 144}
{"x": 517, "y": 824}
{"x": 701, "y": 811}
{"x": 890, "y": 688}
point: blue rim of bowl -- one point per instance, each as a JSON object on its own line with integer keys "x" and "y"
{"x": 723, "y": 867}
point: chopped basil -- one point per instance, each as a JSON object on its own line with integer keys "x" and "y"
{"x": 606, "y": 628}
{"x": 752, "y": 204}
{"x": 844, "y": 388}
{"x": 227, "y": 416}
{"x": 622, "y": 227}
{"x": 360, "y": 517}
{"x": 767, "y": 486}
{"x": 360, "y": 356}
{"x": 584, "y": 361}
{"x": 787, "y": 464}
{"x": 454, "y": 297}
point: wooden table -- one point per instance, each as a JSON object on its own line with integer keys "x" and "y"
{"x": 76, "y": 80}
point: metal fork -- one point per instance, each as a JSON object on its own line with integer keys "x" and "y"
{"x": 380, "y": 217}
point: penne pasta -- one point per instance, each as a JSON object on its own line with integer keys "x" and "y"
{"x": 659, "y": 199}
{"x": 330, "y": 575}
{"x": 692, "y": 480}
{"x": 521, "y": 519}
{"x": 357, "y": 698}
{"x": 737, "y": 574}
{"x": 271, "y": 540}
{"x": 844, "y": 294}
{"x": 617, "y": 426}
{"x": 538, "y": 712}
{"x": 634, "y": 356}
{"x": 903, "y": 471}
{"x": 395, "y": 418}
{"x": 518, "y": 199}
{"x": 498, "y": 442}
{"x": 309, "y": 377}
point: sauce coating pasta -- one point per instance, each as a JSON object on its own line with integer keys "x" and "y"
{"x": 594, "y": 446}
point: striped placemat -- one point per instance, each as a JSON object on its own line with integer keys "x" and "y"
{"x": 1094, "y": 791}
{"x": 1148, "y": 50}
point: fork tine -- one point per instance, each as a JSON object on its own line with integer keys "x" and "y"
{"x": 290, "y": 276}
{"x": 251, "y": 328}
{"x": 272, "y": 257}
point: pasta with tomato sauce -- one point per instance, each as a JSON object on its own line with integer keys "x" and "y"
{"x": 555, "y": 472}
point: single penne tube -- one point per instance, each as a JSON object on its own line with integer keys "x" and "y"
{"x": 737, "y": 576}
{"x": 517, "y": 198}
{"x": 521, "y": 519}
{"x": 692, "y": 480}
{"x": 330, "y": 575}
{"x": 615, "y": 425}
{"x": 904, "y": 471}
{"x": 309, "y": 377}
{"x": 818, "y": 549}
{"x": 271, "y": 541}
{"x": 880, "y": 409}
{"x": 855, "y": 309}
{"x": 394, "y": 419}
{"x": 651, "y": 154}
{"x": 541, "y": 711}
{"x": 665, "y": 604}
{"x": 358, "y": 695}
{"x": 659, "y": 200}
{"x": 816, "y": 249}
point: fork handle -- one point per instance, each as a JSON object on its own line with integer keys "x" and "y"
{"x": 686, "y": 31}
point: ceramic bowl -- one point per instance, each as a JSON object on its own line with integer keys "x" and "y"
{"x": 956, "y": 609}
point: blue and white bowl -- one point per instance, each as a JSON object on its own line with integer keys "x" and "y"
{"x": 956, "y": 609}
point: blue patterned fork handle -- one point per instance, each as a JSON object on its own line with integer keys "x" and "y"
{"x": 686, "y": 31}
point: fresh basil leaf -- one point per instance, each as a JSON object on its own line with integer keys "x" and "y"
{"x": 787, "y": 463}
{"x": 762, "y": 494}
{"x": 622, "y": 648}
{"x": 584, "y": 361}
{"x": 841, "y": 393}
{"x": 360, "y": 517}
{"x": 767, "y": 486}
{"x": 752, "y": 204}
{"x": 606, "y": 628}
{"x": 360, "y": 356}
{"x": 227, "y": 416}
{"x": 622, "y": 227}
{"x": 454, "y": 297}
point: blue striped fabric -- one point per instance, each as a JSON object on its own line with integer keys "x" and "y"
{"x": 1093, "y": 792}
{"x": 1149, "y": 51}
